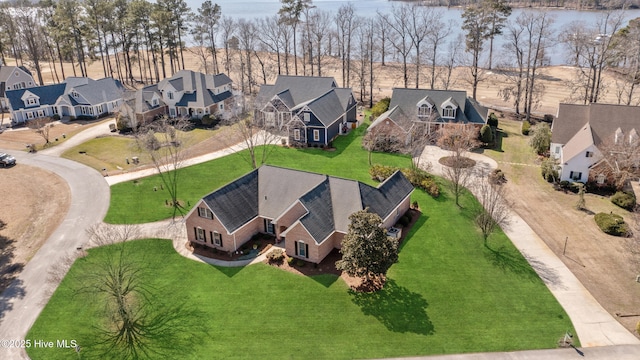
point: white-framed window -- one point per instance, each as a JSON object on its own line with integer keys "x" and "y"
{"x": 170, "y": 95}
{"x": 155, "y": 102}
{"x": 100, "y": 109}
{"x": 557, "y": 149}
{"x": 30, "y": 115}
{"x": 40, "y": 113}
{"x": 269, "y": 228}
{"x": 205, "y": 213}
{"x": 316, "y": 135}
{"x": 172, "y": 112}
{"x": 424, "y": 110}
{"x": 217, "y": 238}
{"x": 200, "y": 234}
{"x": 32, "y": 101}
{"x": 589, "y": 154}
{"x": 575, "y": 175}
{"x": 302, "y": 249}
{"x": 221, "y": 106}
{"x": 296, "y": 134}
{"x": 54, "y": 109}
{"x": 23, "y": 85}
{"x": 600, "y": 178}
{"x": 74, "y": 93}
{"x": 449, "y": 112}
{"x": 307, "y": 117}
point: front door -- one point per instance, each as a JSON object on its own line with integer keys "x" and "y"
{"x": 268, "y": 227}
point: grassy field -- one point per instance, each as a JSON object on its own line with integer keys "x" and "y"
{"x": 136, "y": 201}
{"x": 447, "y": 294}
{"x": 111, "y": 152}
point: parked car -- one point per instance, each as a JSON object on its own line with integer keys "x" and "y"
{"x": 7, "y": 160}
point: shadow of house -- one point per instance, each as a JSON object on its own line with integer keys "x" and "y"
{"x": 397, "y": 308}
{"x": 10, "y": 286}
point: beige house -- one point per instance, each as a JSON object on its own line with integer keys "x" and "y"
{"x": 308, "y": 211}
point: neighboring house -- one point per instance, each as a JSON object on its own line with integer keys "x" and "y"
{"x": 312, "y": 110}
{"x": 423, "y": 111}
{"x": 14, "y": 78}
{"x": 75, "y": 97}
{"x": 579, "y": 132}
{"x": 310, "y": 210}
{"x": 143, "y": 106}
{"x": 193, "y": 94}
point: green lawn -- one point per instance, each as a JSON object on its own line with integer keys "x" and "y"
{"x": 447, "y": 294}
{"x": 136, "y": 201}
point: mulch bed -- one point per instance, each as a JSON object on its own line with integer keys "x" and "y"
{"x": 263, "y": 242}
{"x": 451, "y": 161}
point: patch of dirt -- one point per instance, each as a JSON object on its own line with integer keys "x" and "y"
{"x": 17, "y": 138}
{"x": 34, "y": 202}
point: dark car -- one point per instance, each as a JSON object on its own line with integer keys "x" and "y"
{"x": 7, "y": 160}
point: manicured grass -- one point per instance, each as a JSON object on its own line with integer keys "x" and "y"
{"x": 136, "y": 201}
{"x": 447, "y": 294}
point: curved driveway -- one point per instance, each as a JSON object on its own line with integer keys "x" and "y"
{"x": 24, "y": 299}
{"x": 594, "y": 325}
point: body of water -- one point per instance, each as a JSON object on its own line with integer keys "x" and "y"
{"x": 556, "y": 54}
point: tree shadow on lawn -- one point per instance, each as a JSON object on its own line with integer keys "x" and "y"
{"x": 10, "y": 286}
{"x": 397, "y": 308}
{"x": 521, "y": 264}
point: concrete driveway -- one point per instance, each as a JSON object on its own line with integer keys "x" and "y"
{"x": 24, "y": 299}
{"x": 593, "y": 324}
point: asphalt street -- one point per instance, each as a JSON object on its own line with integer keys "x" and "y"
{"x": 24, "y": 299}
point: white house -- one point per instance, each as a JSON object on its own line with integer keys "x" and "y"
{"x": 579, "y": 130}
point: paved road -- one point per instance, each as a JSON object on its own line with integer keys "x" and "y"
{"x": 24, "y": 299}
{"x": 593, "y": 324}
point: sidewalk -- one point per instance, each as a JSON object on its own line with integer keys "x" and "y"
{"x": 593, "y": 324}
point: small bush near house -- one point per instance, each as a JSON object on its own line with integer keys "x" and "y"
{"x": 300, "y": 263}
{"x": 55, "y": 117}
{"x": 381, "y": 172}
{"x": 612, "y": 224}
{"x": 290, "y": 261}
{"x": 210, "y": 120}
{"x": 404, "y": 220}
{"x": 380, "y": 107}
{"x": 492, "y": 120}
{"x": 276, "y": 256}
{"x": 625, "y": 200}
{"x": 549, "y": 169}
{"x": 526, "y": 126}
{"x": 486, "y": 134}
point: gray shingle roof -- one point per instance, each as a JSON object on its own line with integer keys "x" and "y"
{"x": 604, "y": 120}
{"x": 221, "y": 79}
{"x": 96, "y": 91}
{"x": 327, "y": 107}
{"x": 406, "y": 100}
{"x": 7, "y": 71}
{"x": 301, "y": 88}
{"x": 269, "y": 191}
{"x": 235, "y": 203}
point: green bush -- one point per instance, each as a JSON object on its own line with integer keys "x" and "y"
{"x": 56, "y": 117}
{"x": 381, "y": 172}
{"x": 210, "y": 120}
{"x": 404, "y": 220}
{"x": 611, "y": 224}
{"x": 625, "y": 200}
{"x": 276, "y": 256}
{"x": 290, "y": 261}
{"x": 380, "y": 107}
{"x": 526, "y": 126}
{"x": 486, "y": 134}
{"x": 492, "y": 120}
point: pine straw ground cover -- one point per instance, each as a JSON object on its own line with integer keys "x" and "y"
{"x": 447, "y": 294}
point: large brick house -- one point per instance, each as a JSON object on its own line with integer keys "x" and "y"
{"x": 312, "y": 110}
{"x": 311, "y": 211}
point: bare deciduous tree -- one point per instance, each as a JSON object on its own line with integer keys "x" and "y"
{"x": 41, "y": 126}
{"x": 398, "y": 34}
{"x": 459, "y": 139}
{"x": 164, "y": 141}
{"x": 618, "y": 159}
{"x": 494, "y": 211}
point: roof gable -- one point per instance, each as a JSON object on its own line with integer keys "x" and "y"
{"x": 48, "y": 95}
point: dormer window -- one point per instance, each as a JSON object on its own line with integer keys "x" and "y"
{"x": 424, "y": 110}
{"x": 74, "y": 94}
{"x": 155, "y": 102}
{"x": 32, "y": 101}
{"x": 307, "y": 117}
{"x": 618, "y": 136}
{"x": 449, "y": 112}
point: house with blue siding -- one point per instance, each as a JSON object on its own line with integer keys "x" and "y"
{"x": 310, "y": 110}
{"x": 76, "y": 97}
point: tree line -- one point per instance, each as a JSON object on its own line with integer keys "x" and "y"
{"x": 140, "y": 42}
